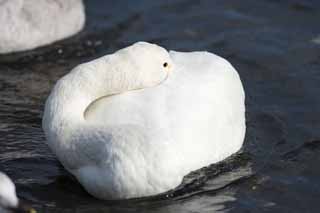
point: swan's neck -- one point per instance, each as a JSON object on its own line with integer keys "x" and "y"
{"x": 67, "y": 103}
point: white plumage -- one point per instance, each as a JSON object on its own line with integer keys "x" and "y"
{"x": 27, "y": 24}
{"x": 8, "y": 197}
{"x": 126, "y": 126}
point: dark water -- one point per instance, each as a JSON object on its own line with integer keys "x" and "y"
{"x": 275, "y": 46}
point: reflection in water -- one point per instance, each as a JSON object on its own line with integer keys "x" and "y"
{"x": 277, "y": 169}
{"x": 316, "y": 40}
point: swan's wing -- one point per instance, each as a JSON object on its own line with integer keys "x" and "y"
{"x": 211, "y": 72}
{"x": 208, "y": 100}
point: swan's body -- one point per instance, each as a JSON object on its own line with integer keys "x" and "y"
{"x": 8, "y": 197}
{"x": 27, "y": 24}
{"x": 144, "y": 139}
{"x": 9, "y": 201}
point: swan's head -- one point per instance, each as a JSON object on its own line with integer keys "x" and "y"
{"x": 148, "y": 63}
{"x": 139, "y": 66}
{"x": 8, "y": 198}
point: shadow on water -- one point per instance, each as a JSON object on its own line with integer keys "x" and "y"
{"x": 278, "y": 60}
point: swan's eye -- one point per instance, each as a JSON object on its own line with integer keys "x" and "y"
{"x": 165, "y": 64}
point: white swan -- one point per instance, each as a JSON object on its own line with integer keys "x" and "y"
{"x": 135, "y": 122}
{"x": 27, "y": 24}
{"x": 9, "y": 201}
